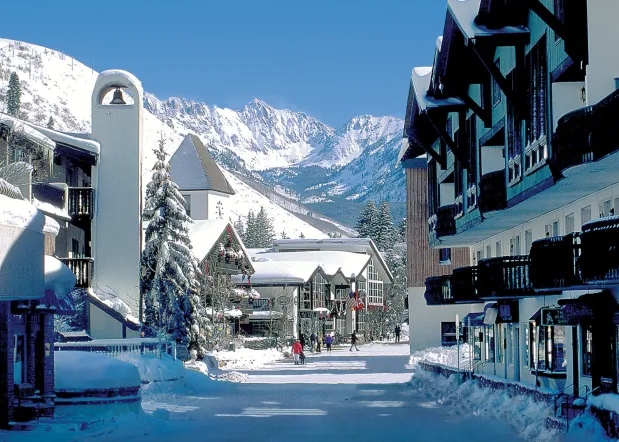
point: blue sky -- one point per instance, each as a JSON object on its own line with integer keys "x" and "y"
{"x": 332, "y": 59}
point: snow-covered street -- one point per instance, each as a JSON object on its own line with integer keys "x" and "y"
{"x": 359, "y": 396}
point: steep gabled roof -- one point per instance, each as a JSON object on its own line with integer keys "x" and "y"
{"x": 193, "y": 168}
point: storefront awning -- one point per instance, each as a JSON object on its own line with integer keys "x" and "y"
{"x": 586, "y": 307}
{"x": 476, "y": 320}
{"x": 502, "y": 312}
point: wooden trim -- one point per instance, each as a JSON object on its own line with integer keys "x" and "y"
{"x": 549, "y": 18}
{"x": 443, "y": 135}
{"x": 483, "y": 114}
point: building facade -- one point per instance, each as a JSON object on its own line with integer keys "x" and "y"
{"x": 516, "y": 117}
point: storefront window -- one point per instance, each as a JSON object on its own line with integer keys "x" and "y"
{"x": 555, "y": 348}
{"x": 541, "y": 348}
{"x": 510, "y": 353}
{"x": 490, "y": 343}
{"x": 525, "y": 356}
{"x": 477, "y": 336}
{"x": 500, "y": 344}
{"x": 587, "y": 349}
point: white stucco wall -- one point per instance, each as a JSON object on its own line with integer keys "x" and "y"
{"x": 425, "y": 321}
{"x": 198, "y": 202}
{"x": 215, "y": 198}
{"x": 603, "y": 35}
{"x": 102, "y": 325}
{"x": 117, "y": 227}
{"x": 566, "y": 97}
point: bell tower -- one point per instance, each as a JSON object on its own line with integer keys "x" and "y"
{"x": 117, "y": 225}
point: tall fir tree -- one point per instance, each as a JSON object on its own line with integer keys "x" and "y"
{"x": 250, "y": 230}
{"x": 385, "y": 234}
{"x": 239, "y": 226}
{"x": 170, "y": 272}
{"x": 366, "y": 224}
{"x": 264, "y": 229}
{"x": 51, "y": 123}
{"x": 13, "y": 96}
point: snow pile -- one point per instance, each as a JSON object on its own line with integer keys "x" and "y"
{"x": 58, "y": 277}
{"x": 246, "y": 358}
{"x": 210, "y": 367}
{"x": 79, "y": 370}
{"x": 447, "y": 356}
{"x": 20, "y": 213}
{"x": 46, "y": 207}
{"x": 527, "y": 416}
{"x": 153, "y": 368}
{"x": 404, "y": 332}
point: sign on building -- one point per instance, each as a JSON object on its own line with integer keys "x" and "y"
{"x": 553, "y": 316}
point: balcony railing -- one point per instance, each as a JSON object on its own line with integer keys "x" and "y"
{"x": 81, "y": 201}
{"x": 492, "y": 192}
{"x": 82, "y": 269}
{"x": 464, "y": 285}
{"x": 554, "y": 262}
{"x": 438, "y": 290}
{"x": 442, "y": 223}
{"x": 504, "y": 277}
{"x": 599, "y": 257}
{"x": 587, "y": 134}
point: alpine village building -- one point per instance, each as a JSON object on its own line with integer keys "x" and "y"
{"x": 516, "y": 124}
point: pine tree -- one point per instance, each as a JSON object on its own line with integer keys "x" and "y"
{"x": 366, "y": 224}
{"x": 51, "y": 123}
{"x": 284, "y": 235}
{"x": 250, "y": 230}
{"x": 239, "y": 226}
{"x": 13, "y": 96}
{"x": 402, "y": 229}
{"x": 170, "y": 272}
{"x": 264, "y": 229}
{"x": 301, "y": 235}
{"x": 385, "y": 234}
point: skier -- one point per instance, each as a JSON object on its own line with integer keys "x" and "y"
{"x": 296, "y": 352}
{"x": 397, "y": 333}
{"x": 328, "y": 342}
{"x": 353, "y": 341}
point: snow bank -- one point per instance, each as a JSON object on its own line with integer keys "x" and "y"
{"x": 78, "y": 370}
{"x": 524, "y": 414}
{"x": 608, "y": 402}
{"x": 58, "y": 277}
{"x": 154, "y": 369}
{"x": 246, "y": 358}
{"x": 20, "y": 213}
{"x": 447, "y": 356}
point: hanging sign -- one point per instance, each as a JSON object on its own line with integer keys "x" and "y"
{"x": 553, "y": 316}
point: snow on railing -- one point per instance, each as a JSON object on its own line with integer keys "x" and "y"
{"x": 114, "y": 347}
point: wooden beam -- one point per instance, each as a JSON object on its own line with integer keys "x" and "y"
{"x": 435, "y": 155}
{"x": 442, "y": 133}
{"x": 549, "y": 18}
{"x": 483, "y": 114}
{"x": 495, "y": 73}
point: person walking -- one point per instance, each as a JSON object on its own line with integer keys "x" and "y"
{"x": 353, "y": 341}
{"x": 296, "y": 352}
{"x": 302, "y": 340}
{"x": 312, "y": 340}
{"x": 397, "y": 333}
{"x": 328, "y": 342}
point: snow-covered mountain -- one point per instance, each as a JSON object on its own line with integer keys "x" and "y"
{"x": 298, "y": 158}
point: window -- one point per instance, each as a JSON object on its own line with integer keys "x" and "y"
{"x": 615, "y": 207}
{"x": 306, "y": 298}
{"x": 477, "y": 341}
{"x": 585, "y": 215}
{"x": 444, "y": 256}
{"x": 489, "y": 343}
{"x": 19, "y": 359}
{"x": 551, "y": 229}
{"x": 528, "y": 240}
{"x": 360, "y": 285}
{"x": 341, "y": 295}
{"x": 605, "y": 209}
{"x": 550, "y": 343}
{"x": 537, "y": 94}
{"x": 514, "y": 246}
{"x": 569, "y": 224}
{"x": 361, "y": 320}
{"x": 318, "y": 291}
{"x": 499, "y": 249}
{"x": 448, "y": 333}
{"x": 488, "y": 251}
{"x": 587, "y": 350}
{"x": 496, "y": 90}
{"x": 514, "y": 140}
{"x": 512, "y": 349}
{"x": 375, "y": 286}
{"x": 187, "y": 204}
{"x": 479, "y": 255}
{"x": 525, "y": 355}
{"x": 500, "y": 340}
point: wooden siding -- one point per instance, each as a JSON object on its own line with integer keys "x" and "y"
{"x": 422, "y": 260}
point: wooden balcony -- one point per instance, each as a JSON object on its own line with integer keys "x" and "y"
{"x": 438, "y": 290}
{"x": 587, "y": 134}
{"x": 492, "y": 192}
{"x": 81, "y": 202}
{"x": 599, "y": 256}
{"x": 464, "y": 285}
{"x": 82, "y": 269}
{"x": 504, "y": 277}
{"x": 442, "y": 223}
{"x": 554, "y": 262}
{"x": 47, "y": 193}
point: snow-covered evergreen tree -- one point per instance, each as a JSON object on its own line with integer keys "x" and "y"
{"x": 239, "y": 226}
{"x": 264, "y": 229}
{"x": 385, "y": 234}
{"x": 250, "y": 230}
{"x": 170, "y": 272}
{"x": 51, "y": 123}
{"x": 13, "y": 96}
{"x": 366, "y": 224}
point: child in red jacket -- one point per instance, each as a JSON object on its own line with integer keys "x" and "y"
{"x": 296, "y": 352}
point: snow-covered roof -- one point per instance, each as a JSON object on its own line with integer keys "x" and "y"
{"x": 465, "y": 12}
{"x": 266, "y": 314}
{"x": 49, "y": 208}
{"x": 273, "y": 272}
{"x": 329, "y": 260}
{"x": 58, "y": 277}
{"x": 205, "y": 233}
{"x": 51, "y": 226}
{"x": 20, "y": 213}
{"x": 25, "y": 128}
{"x": 420, "y": 80}
{"x": 193, "y": 168}
{"x": 80, "y": 141}
{"x": 356, "y": 245}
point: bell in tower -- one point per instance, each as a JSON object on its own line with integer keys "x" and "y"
{"x": 118, "y": 97}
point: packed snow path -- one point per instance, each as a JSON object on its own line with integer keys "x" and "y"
{"x": 360, "y": 396}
